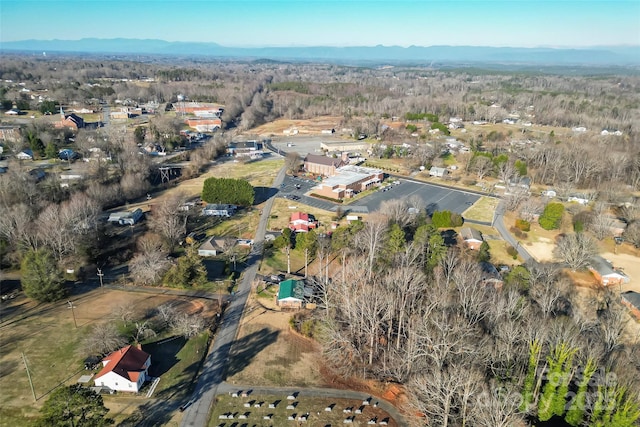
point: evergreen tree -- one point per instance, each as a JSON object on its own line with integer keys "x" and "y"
{"x": 576, "y": 413}
{"x": 188, "y": 272}
{"x": 74, "y": 406}
{"x": 41, "y": 278}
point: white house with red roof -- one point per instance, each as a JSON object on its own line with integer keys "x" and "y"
{"x": 301, "y": 222}
{"x": 124, "y": 370}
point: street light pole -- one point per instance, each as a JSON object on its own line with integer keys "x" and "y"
{"x": 73, "y": 313}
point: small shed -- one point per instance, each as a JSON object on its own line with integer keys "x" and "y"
{"x": 291, "y": 294}
{"x": 438, "y": 172}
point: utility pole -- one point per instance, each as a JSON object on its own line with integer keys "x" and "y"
{"x": 288, "y": 261}
{"x": 100, "y": 275}
{"x": 306, "y": 261}
{"x": 73, "y": 313}
{"x": 33, "y": 391}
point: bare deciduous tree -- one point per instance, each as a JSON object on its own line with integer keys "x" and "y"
{"x": 576, "y": 250}
{"x": 104, "y": 338}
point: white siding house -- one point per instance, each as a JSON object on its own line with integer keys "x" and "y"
{"x": 124, "y": 370}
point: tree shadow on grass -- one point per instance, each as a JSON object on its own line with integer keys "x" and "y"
{"x": 262, "y": 194}
{"x": 246, "y": 348}
{"x": 164, "y": 354}
{"x": 151, "y": 414}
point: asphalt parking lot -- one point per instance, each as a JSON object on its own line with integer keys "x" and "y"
{"x": 435, "y": 198}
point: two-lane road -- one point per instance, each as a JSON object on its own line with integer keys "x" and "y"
{"x": 214, "y": 368}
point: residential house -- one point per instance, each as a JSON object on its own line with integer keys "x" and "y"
{"x": 616, "y": 226}
{"x": 348, "y": 181}
{"x": 212, "y": 247}
{"x": 490, "y": 275}
{"x": 604, "y": 272}
{"x": 471, "y": 237}
{"x": 216, "y": 209}
{"x": 323, "y": 165}
{"x": 25, "y": 154}
{"x": 301, "y": 222}
{"x": 125, "y": 369}
{"x": 523, "y": 182}
{"x": 632, "y": 300}
{"x": 291, "y": 294}
{"x": 438, "y": 172}
{"x": 578, "y": 198}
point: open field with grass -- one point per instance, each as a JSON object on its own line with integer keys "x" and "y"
{"x": 280, "y": 214}
{"x": 394, "y": 165}
{"x": 54, "y": 348}
{"x": 279, "y": 416}
{"x": 268, "y": 353}
{"x": 482, "y": 210}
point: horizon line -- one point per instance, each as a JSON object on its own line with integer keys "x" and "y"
{"x": 250, "y": 46}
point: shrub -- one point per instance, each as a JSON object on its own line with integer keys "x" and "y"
{"x": 551, "y": 217}
{"x": 513, "y": 253}
{"x": 523, "y": 225}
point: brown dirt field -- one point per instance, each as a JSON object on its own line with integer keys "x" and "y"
{"x": 267, "y": 352}
{"x": 305, "y": 127}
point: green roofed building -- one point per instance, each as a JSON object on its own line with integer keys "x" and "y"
{"x": 291, "y": 294}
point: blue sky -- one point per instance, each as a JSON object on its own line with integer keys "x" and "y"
{"x": 330, "y": 23}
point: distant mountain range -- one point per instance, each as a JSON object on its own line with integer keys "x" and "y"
{"x": 596, "y": 56}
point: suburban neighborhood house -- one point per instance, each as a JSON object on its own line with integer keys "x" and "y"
{"x": 632, "y": 301}
{"x": 437, "y": 172}
{"x": 605, "y": 273}
{"x": 348, "y": 181}
{"x": 323, "y": 165}
{"x": 124, "y": 370}
{"x": 471, "y": 237}
{"x": 212, "y": 247}
{"x": 291, "y": 294}
{"x": 302, "y": 222}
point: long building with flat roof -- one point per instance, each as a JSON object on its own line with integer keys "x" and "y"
{"x": 348, "y": 181}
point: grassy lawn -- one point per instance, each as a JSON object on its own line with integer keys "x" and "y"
{"x": 314, "y": 407}
{"x": 241, "y": 225}
{"x": 277, "y": 262}
{"x": 280, "y": 214}
{"x": 53, "y": 346}
{"x": 259, "y": 174}
{"x": 482, "y": 210}
{"x": 176, "y": 360}
{"x": 394, "y": 165}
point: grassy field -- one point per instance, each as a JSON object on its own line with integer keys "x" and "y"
{"x": 53, "y": 346}
{"x": 279, "y": 416}
{"x": 482, "y": 210}
{"x": 280, "y": 214}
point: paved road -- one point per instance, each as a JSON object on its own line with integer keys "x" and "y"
{"x": 498, "y": 223}
{"x": 316, "y": 392}
{"x": 214, "y": 368}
